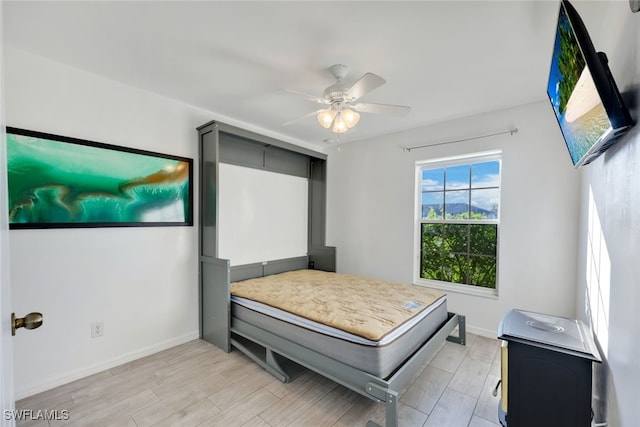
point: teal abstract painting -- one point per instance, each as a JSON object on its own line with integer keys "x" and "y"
{"x": 62, "y": 182}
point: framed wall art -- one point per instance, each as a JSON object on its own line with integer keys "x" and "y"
{"x": 61, "y": 182}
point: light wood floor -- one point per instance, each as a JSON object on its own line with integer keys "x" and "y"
{"x": 197, "y": 384}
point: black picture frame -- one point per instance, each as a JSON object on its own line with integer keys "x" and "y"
{"x": 58, "y": 181}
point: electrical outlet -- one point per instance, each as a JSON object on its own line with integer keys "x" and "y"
{"x": 97, "y": 329}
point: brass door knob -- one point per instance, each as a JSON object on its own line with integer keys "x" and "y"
{"x": 30, "y": 321}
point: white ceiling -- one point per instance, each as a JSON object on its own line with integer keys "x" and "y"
{"x": 445, "y": 59}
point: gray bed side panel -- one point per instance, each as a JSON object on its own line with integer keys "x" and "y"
{"x": 317, "y": 203}
{"x": 208, "y": 193}
{"x": 216, "y": 310}
{"x": 377, "y": 361}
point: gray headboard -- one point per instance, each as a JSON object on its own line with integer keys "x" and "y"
{"x": 250, "y": 271}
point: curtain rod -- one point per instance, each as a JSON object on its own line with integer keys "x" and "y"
{"x": 510, "y": 132}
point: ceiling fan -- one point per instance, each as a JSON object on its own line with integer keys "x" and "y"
{"x": 342, "y": 113}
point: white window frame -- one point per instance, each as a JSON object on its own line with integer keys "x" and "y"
{"x": 445, "y": 162}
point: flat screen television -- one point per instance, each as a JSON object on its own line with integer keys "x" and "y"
{"x": 582, "y": 91}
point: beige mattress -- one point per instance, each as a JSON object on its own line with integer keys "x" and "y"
{"x": 364, "y": 307}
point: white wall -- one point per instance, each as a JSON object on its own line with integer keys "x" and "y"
{"x": 7, "y": 401}
{"x": 371, "y": 206}
{"x": 262, "y": 215}
{"x": 609, "y": 230}
{"x": 142, "y": 282}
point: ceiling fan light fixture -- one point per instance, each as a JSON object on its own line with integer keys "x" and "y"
{"x": 340, "y": 124}
{"x": 325, "y": 117}
{"x": 350, "y": 117}
{"x": 341, "y": 113}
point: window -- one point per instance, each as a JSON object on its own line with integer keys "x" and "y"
{"x": 457, "y": 223}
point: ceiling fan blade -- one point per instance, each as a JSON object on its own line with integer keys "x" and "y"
{"x": 306, "y": 96}
{"x": 366, "y": 84}
{"x": 313, "y": 113}
{"x": 396, "y": 110}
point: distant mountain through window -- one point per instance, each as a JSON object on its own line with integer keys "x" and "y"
{"x": 457, "y": 209}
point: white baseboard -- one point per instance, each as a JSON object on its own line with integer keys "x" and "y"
{"x": 58, "y": 380}
{"x": 487, "y": 333}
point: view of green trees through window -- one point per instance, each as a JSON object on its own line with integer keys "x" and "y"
{"x": 459, "y": 223}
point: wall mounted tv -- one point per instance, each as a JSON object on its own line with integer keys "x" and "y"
{"x": 583, "y": 94}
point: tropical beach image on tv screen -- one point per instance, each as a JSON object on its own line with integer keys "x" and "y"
{"x": 573, "y": 94}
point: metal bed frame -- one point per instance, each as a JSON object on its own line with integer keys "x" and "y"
{"x": 286, "y": 359}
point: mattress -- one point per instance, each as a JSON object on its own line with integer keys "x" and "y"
{"x": 365, "y": 307}
{"x": 379, "y": 357}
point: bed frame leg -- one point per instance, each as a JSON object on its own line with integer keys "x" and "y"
{"x": 278, "y": 366}
{"x": 275, "y": 369}
{"x": 391, "y": 409}
{"x": 462, "y": 331}
{"x": 282, "y": 368}
{"x": 390, "y": 401}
